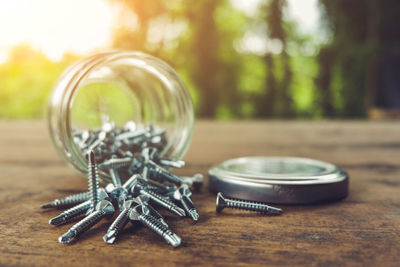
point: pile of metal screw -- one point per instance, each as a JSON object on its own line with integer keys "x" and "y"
{"x": 130, "y": 154}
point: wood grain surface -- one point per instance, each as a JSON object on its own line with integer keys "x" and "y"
{"x": 361, "y": 230}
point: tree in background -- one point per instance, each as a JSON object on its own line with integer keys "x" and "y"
{"x": 365, "y": 43}
{"x": 26, "y": 81}
{"x": 203, "y": 51}
{"x": 276, "y": 100}
{"x": 211, "y": 63}
{"x": 241, "y": 64}
{"x": 198, "y": 54}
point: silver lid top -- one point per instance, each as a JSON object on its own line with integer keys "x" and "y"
{"x": 286, "y": 180}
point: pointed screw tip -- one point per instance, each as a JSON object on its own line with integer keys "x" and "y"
{"x": 66, "y": 238}
{"x": 194, "y": 214}
{"x": 173, "y": 240}
{"x": 47, "y": 205}
{"x": 180, "y": 212}
{"x": 277, "y": 211}
{"x": 110, "y": 236}
{"x": 109, "y": 239}
{"x": 56, "y": 220}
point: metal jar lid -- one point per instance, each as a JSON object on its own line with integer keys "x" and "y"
{"x": 282, "y": 180}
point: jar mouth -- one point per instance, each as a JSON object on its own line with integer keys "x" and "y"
{"x": 168, "y": 103}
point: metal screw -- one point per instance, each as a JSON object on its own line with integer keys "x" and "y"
{"x": 172, "y": 163}
{"x": 182, "y": 194}
{"x": 148, "y": 209}
{"x": 76, "y": 210}
{"x": 136, "y": 214}
{"x": 116, "y": 163}
{"x": 156, "y": 172}
{"x": 223, "y": 202}
{"x": 103, "y": 209}
{"x": 67, "y": 201}
{"x": 119, "y": 222}
{"x": 71, "y": 213}
{"x": 139, "y": 188}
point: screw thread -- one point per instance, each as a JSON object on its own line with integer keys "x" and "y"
{"x": 68, "y": 201}
{"x": 76, "y": 210}
{"x": 153, "y": 212}
{"x": 189, "y": 208}
{"x": 116, "y": 163}
{"x": 93, "y": 180}
{"x": 250, "y": 205}
{"x": 158, "y": 171}
{"x": 161, "y": 229}
{"x": 88, "y": 221}
{"x": 163, "y": 202}
{"x": 158, "y": 199}
{"x": 187, "y": 203}
{"x": 120, "y": 221}
{"x": 154, "y": 224}
{"x": 73, "y": 199}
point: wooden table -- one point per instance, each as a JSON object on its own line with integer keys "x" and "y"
{"x": 361, "y": 230}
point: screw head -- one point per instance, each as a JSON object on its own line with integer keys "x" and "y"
{"x": 102, "y": 194}
{"x": 221, "y": 202}
{"x": 135, "y": 213}
{"x": 137, "y": 185}
{"x": 177, "y": 195}
{"x": 106, "y": 206}
{"x": 129, "y": 204}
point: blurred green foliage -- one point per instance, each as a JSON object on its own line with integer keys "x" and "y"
{"x": 26, "y": 81}
{"x": 95, "y": 99}
{"x": 296, "y": 76}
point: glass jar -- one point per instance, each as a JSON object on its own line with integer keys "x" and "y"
{"x": 119, "y": 86}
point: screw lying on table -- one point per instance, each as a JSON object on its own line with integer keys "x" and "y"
{"x": 76, "y": 210}
{"x": 153, "y": 212}
{"x": 68, "y": 201}
{"x": 223, "y": 202}
{"x": 119, "y": 222}
{"x": 103, "y": 209}
{"x": 148, "y": 209}
{"x": 136, "y": 214}
{"x": 182, "y": 194}
{"x": 139, "y": 188}
{"x": 71, "y": 213}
